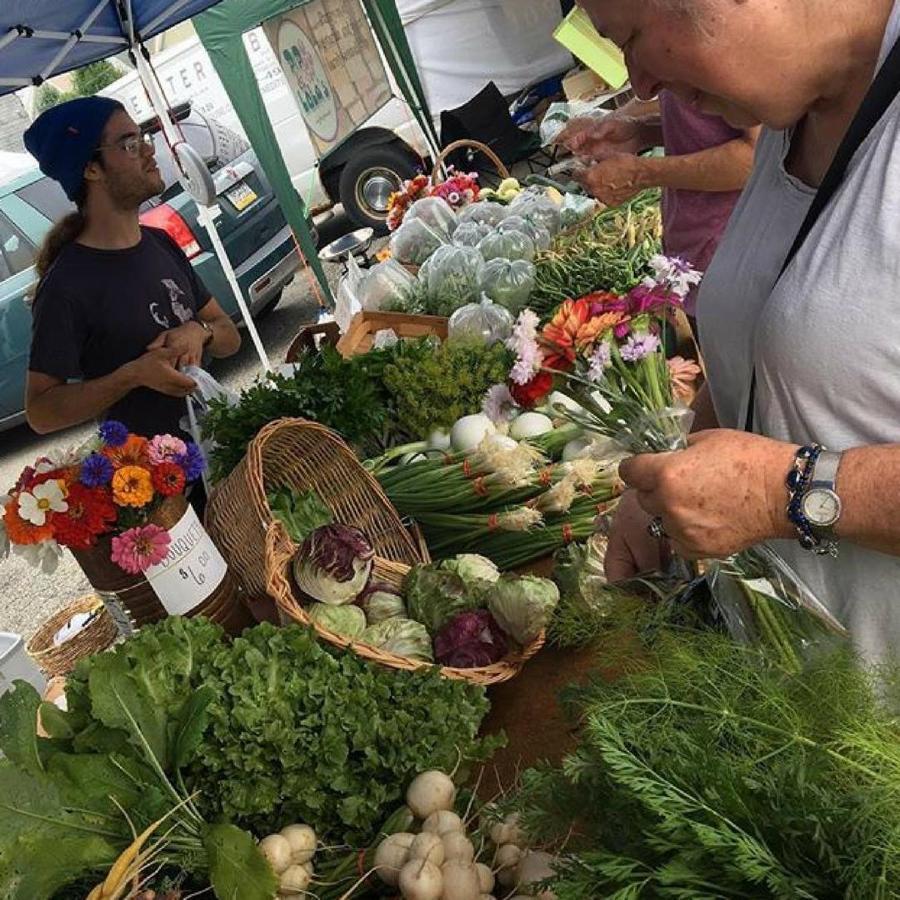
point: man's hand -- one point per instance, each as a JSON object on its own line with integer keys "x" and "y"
{"x": 599, "y": 139}
{"x": 156, "y": 370}
{"x": 614, "y": 181}
{"x": 187, "y": 341}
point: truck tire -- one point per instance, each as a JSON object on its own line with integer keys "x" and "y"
{"x": 371, "y": 177}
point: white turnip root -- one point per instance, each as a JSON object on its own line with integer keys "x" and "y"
{"x": 443, "y": 822}
{"x": 277, "y": 850}
{"x": 421, "y": 880}
{"x": 429, "y": 793}
{"x": 428, "y": 845}
{"x": 485, "y": 878}
{"x": 460, "y": 880}
{"x": 294, "y": 880}
{"x": 302, "y": 840}
{"x": 534, "y": 867}
{"x": 458, "y": 846}
{"x": 392, "y": 855}
{"x": 507, "y": 862}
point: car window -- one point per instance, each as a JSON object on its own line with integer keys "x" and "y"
{"x": 16, "y": 250}
{"x": 48, "y": 198}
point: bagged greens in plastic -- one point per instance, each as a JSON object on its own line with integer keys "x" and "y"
{"x": 484, "y": 213}
{"x": 509, "y": 283}
{"x": 469, "y": 234}
{"x": 453, "y": 277}
{"x": 434, "y": 212}
{"x": 485, "y": 321}
{"x": 541, "y": 237}
{"x": 387, "y": 282}
{"x": 575, "y": 209}
{"x": 414, "y": 241}
{"x": 507, "y": 245}
{"x": 537, "y": 207}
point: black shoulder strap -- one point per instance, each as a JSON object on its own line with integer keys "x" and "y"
{"x": 881, "y": 95}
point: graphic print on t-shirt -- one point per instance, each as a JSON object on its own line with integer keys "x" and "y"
{"x": 179, "y": 310}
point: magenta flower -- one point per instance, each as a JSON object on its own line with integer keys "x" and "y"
{"x": 137, "y": 549}
{"x": 165, "y": 448}
{"x": 622, "y": 330}
{"x": 646, "y": 299}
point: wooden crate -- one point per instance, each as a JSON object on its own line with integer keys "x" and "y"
{"x": 360, "y": 335}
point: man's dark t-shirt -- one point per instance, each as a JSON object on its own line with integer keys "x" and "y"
{"x": 99, "y": 309}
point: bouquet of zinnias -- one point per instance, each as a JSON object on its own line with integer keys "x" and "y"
{"x": 111, "y": 485}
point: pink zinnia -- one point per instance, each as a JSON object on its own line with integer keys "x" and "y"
{"x": 165, "y": 448}
{"x": 137, "y": 549}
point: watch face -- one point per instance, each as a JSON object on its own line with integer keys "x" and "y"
{"x": 822, "y": 507}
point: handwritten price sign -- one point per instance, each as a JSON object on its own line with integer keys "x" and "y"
{"x": 193, "y": 569}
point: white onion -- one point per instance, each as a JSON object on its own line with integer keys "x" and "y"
{"x": 530, "y": 424}
{"x": 469, "y": 431}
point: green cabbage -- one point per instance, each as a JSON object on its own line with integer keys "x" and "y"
{"x": 348, "y": 621}
{"x": 475, "y": 570}
{"x": 434, "y": 596}
{"x": 403, "y": 637}
{"x": 523, "y": 605}
{"x": 380, "y": 602}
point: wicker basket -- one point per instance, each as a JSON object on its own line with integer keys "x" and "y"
{"x": 303, "y": 456}
{"x": 478, "y": 147}
{"x": 97, "y": 635}
{"x": 280, "y": 551}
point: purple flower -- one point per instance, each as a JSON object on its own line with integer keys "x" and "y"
{"x": 622, "y": 330}
{"x": 113, "y": 433}
{"x": 639, "y": 346}
{"x": 192, "y": 462}
{"x": 96, "y": 471}
{"x": 600, "y": 361}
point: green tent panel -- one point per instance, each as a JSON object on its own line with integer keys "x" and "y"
{"x": 221, "y": 29}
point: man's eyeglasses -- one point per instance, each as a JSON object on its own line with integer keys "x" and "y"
{"x": 131, "y": 145}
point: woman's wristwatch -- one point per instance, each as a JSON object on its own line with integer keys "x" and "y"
{"x": 814, "y": 505}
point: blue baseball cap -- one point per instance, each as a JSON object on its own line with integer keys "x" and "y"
{"x": 64, "y": 138}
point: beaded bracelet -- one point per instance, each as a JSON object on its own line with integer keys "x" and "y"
{"x": 797, "y": 483}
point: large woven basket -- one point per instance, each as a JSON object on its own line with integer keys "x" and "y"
{"x": 304, "y": 456}
{"x": 280, "y": 551}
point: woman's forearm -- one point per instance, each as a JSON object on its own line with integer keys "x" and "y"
{"x": 868, "y": 480}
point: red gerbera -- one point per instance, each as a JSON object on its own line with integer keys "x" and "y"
{"x": 91, "y": 513}
{"x": 529, "y": 395}
{"x": 168, "y": 479}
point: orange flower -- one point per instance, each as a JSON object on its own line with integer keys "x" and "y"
{"x": 132, "y": 453}
{"x": 561, "y": 334}
{"x": 683, "y": 375}
{"x": 132, "y": 486}
{"x": 596, "y": 327}
{"x": 22, "y": 532}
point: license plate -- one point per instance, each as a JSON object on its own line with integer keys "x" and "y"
{"x": 242, "y": 196}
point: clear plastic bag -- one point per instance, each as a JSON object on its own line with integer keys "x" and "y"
{"x": 537, "y": 207}
{"x": 470, "y": 234}
{"x": 348, "y": 302}
{"x": 484, "y": 321}
{"x": 509, "y": 283}
{"x": 507, "y": 245}
{"x": 541, "y": 237}
{"x": 436, "y": 213}
{"x": 484, "y": 213}
{"x": 452, "y": 277}
{"x": 415, "y": 241}
{"x": 575, "y": 209}
{"x": 383, "y": 284}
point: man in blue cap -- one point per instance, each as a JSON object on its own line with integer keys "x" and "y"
{"x": 118, "y": 307}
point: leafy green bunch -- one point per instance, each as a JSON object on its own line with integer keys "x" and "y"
{"x": 706, "y": 772}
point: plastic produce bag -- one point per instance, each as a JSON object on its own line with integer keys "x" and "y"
{"x": 537, "y": 207}
{"x": 414, "y": 241}
{"x": 485, "y": 321}
{"x": 470, "y": 234}
{"x": 484, "y": 213}
{"x": 454, "y": 273}
{"x": 509, "y": 283}
{"x": 541, "y": 237}
{"x": 507, "y": 245}
{"x": 386, "y": 282}
{"x": 575, "y": 209}
{"x": 559, "y": 115}
{"x": 348, "y": 303}
{"x": 434, "y": 212}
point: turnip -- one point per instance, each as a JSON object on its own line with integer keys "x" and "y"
{"x": 392, "y": 855}
{"x": 514, "y": 830}
{"x": 485, "y": 878}
{"x": 557, "y": 399}
{"x": 438, "y": 440}
{"x": 469, "y": 431}
{"x": 529, "y": 425}
{"x": 428, "y": 845}
{"x": 507, "y": 861}
{"x": 443, "y": 822}
{"x": 421, "y": 880}
{"x": 294, "y": 880}
{"x": 458, "y": 846}
{"x": 429, "y": 793}
{"x": 302, "y": 840}
{"x": 277, "y": 850}
{"x": 534, "y": 867}
{"x": 460, "y": 880}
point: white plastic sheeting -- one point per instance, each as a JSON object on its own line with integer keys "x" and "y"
{"x": 461, "y": 45}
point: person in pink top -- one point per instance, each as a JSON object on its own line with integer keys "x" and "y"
{"x": 706, "y": 164}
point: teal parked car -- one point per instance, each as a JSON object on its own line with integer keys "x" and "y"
{"x": 249, "y": 220}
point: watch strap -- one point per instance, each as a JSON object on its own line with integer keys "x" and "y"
{"x": 825, "y": 470}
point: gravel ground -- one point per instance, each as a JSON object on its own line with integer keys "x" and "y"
{"x": 27, "y": 596}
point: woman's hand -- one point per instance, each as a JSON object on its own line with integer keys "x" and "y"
{"x": 186, "y": 341}
{"x": 631, "y": 551}
{"x": 614, "y": 181}
{"x": 725, "y": 493}
{"x": 599, "y": 139}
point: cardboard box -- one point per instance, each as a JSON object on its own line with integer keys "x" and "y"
{"x": 583, "y": 85}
